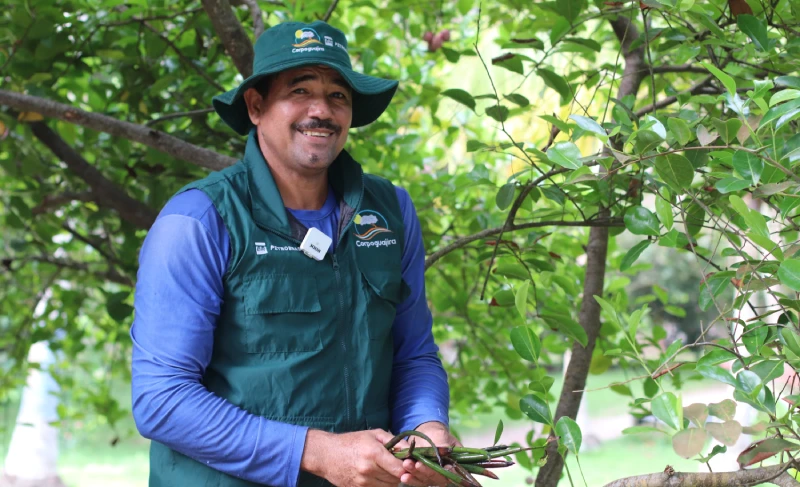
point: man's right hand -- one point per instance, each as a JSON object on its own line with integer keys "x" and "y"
{"x": 352, "y": 459}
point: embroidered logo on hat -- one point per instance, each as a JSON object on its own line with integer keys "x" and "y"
{"x": 305, "y": 37}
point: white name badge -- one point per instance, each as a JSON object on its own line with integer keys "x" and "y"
{"x": 316, "y": 244}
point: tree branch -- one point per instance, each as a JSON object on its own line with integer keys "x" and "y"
{"x": 171, "y": 116}
{"x": 232, "y": 34}
{"x": 672, "y": 99}
{"x": 258, "y": 21}
{"x": 682, "y": 68}
{"x": 461, "y": 242}
{"x": 596, "y": 252}
{"x": 775, "y": 474}
{"x": 55, "y": 200}
{"x": 328, "y": 14}
{"x": 161, "y": 141}
{"x": 104, "y": 190}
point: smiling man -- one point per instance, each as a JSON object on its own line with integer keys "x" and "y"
{"x": 281, "y": 327}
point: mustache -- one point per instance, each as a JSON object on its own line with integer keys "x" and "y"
{"x": 318, "y": 124}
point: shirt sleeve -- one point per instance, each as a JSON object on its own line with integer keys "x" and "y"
{"x": 419, "y": 391}
{"x": 179, "y": 294}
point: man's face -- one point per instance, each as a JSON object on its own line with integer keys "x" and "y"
{"x": 303, "y": 119}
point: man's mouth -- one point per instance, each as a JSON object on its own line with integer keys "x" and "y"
{"x": 314, "y": 133}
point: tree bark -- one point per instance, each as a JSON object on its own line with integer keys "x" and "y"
{"x": 104, "y": 191}
{"x": 773, "y": 475}
{"x": 232, "y": 34}
{"x": 158, "y": 140}
{"x": 596, "y": 251}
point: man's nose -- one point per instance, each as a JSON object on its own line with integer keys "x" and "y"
{"x": 320, "y": 108}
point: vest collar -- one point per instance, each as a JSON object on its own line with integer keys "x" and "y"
{"x": 344, "y": 175}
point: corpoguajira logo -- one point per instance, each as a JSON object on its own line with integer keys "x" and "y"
{"x": 305, "y": 37}
{"x": 369, "y": 224}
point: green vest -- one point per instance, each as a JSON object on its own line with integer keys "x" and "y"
{"x": 300, "y": 341}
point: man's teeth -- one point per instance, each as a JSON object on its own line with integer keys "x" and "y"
{"x": 316, "y": 134}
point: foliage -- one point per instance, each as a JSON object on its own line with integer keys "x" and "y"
{"x": 625, "y": 127}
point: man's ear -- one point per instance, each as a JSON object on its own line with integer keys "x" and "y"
{"x": 254, "y": 102}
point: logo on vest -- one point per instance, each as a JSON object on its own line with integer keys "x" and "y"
{"x": 369, "y": 225}
{"x": 261, "y": 248}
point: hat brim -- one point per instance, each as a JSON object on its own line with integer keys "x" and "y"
{"x": 371, "y": 95}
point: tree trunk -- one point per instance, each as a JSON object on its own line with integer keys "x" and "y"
{"x": 33, "y": 453}
{"x": 596, "y": 251}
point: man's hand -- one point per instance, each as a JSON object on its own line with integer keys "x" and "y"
{"x": 418, "y": 474}
{"x": 352, "y": 459}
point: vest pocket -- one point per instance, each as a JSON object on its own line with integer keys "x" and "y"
{"x": 282, "y": 314}
{"x": 385, "y": 290}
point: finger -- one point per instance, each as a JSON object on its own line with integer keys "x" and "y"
{"x": 382, "y": 436}
{"x": 389, "y": 464}
{"x": 409, "y": 479}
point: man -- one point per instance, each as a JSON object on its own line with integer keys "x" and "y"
{"x": 254, "y": 363}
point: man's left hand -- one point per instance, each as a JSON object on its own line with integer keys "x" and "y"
{"x": 418, "y": 474}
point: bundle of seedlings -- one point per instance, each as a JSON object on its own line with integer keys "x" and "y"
{"x": 458, "y": 464}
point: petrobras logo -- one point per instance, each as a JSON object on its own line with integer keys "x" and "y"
{"x": 306, "y": 37}
{"x": 369, "y": 227}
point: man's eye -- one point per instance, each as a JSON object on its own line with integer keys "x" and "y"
{"x": 300, "y": 91}
{"x": 338, "y": 95}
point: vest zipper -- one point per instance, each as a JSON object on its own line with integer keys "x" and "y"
{"x": 342, "y": 340}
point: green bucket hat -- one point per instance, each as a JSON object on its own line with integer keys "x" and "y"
{"x": 294, "y": 44}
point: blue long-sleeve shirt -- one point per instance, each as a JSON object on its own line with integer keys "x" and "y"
{"x": 178, "y": 299}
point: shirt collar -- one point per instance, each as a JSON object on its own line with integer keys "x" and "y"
{"x": 344, "y": 176}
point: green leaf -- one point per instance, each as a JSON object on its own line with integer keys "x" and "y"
{"x": 675, "y": 170}
{"x": 565, "y": 154}
{"x": 717, "y": 373}
{"x": 748, "y": 382}
{"x": 526, "y": 343}
{"x": 788, "y": 82}
{"x": 572, "y": 329}
{"x": 536, "y": 409}
{"x": 498, "y": 432}
{"x": 498, "y": 112}
{"x": 505, "y": 196}
{"x": 570, "y": 9}
{"x": 689, "y": 442}
{"x": 512, "y": 63}
{"x": 475, "y": 145}
{"x": 778, "y": 112}
{"x": 460, "y": 96}
{"x": 726, "y": 80}
{"x": 789, "y": 274}
{"x": 715, "y": 357}
{"x": 768, "y": 370}
{"x": 518, "y": 99}
{"x": 667, "y": 408}
{"x": 754, "y": 336}
{"x": 782, "y": 96}
{"x": 590, "y": 125}
{"x": 521, "y": 299}
{"x": 755, "y": 29}
{"x": 557, "y": 83}
{"x": 680, "y": 129}
{"x": 641, "y": 221}
{"x": 727, "y": 129}
{"x": 569, "y": 434}
{"x": 562, "y": 125}
{"x": 664, "y": 209}
{"x": 791, "y": 339}
{"x": 755, "y": 220}
{"x": 633, "y": 254}
{"x": 748, "y": 165}
{"x": 730, "y": 185}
